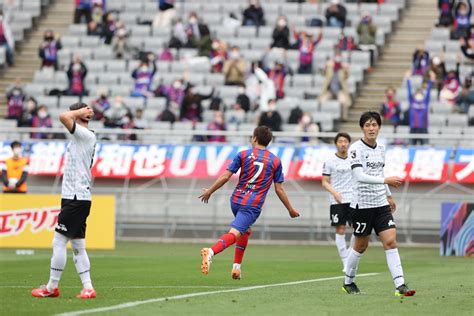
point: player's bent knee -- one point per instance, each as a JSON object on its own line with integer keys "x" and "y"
{"x": 249, "y": 231}
{"x": 390, "y": 244}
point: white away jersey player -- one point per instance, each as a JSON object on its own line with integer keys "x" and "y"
{"x": 372, "y": 161}
{"x": 340, "y": 173}
{"x": 77, "y": 170}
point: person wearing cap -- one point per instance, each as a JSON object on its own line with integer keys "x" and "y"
{"x": 336, "y": 14}
{"x": 15, "y": 171}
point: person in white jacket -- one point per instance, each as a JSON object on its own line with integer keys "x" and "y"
{"x": 267, "y": 89}
{"x": 6, "y": 38}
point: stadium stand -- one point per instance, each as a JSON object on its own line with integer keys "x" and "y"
{"x": 365, "y": 84}
{"x": 300, "y": 89}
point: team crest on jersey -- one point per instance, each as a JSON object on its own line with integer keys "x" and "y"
{"x": 353, "y": 154}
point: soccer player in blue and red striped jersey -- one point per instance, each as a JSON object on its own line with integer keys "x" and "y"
{"x": 258, "y": 169}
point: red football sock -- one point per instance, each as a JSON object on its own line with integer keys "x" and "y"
{"x": 240, "y": 246}
{"x": 224, "y": 241}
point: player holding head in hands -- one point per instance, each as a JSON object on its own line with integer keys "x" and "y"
{"x": 75, "y": 203}
{"x": 338, "y": 181}
{"x": 372, "y": 205}
{"x": 258, "y": 169}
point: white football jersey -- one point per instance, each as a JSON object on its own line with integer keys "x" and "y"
{"x": 77, "y": 176}
{"x": 340, "y": 173}
{"x": 372, "y": 161}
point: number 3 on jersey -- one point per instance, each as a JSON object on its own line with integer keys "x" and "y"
{"x": 259, "y": 171}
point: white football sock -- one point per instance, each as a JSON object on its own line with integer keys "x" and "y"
{"x": 236, "y": 266}
{"x": 58, "y": 260}
{"x": 395, "y": 266}
{"x": 341, "y": 248}
{"x": 81, "y": 260}
{"x": 351, "y": 243}
{"x": 351, "y": 266}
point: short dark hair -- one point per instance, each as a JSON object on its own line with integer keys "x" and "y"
{"x": 15, "y": 144}
{"x": 370, "y": 115}
{"x": 77, "y": 106}
{"x": 343, "y": 135}
{"x": 263, "y": 134}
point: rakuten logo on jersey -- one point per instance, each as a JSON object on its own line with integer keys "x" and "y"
{"x": 375, "y": 165}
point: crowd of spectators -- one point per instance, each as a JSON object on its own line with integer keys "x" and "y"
{"x": 261, "y": 82}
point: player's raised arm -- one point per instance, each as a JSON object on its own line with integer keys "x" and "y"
{"x": 284, "y": 199}
{"x": 204, "y": 197}
{"x": 68, "y": 118}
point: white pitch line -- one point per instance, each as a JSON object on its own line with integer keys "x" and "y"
{"x": 129, "y": 287}
{"x": 189, "y": 295}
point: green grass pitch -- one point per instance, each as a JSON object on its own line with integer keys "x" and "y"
{"x": 141, "y": 271}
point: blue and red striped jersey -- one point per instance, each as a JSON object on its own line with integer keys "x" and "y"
{"x": 258, "y": 169}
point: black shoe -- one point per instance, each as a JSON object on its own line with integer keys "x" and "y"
{"x": 404, "y": 290}
{"x": 351, "y": 288}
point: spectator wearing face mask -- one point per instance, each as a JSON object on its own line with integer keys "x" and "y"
{"x": 29, "y": 112}
{"x": 122, "y": 49}
{"x": 83, "y": 8}
{"x": 98, "y": 9}
{"x": 445, "y": 8}
{"x": 271, "y": 118}
{"x": 234, "y": 68}
{"x": 281, "y": 34}
{"x": 48, "y": 51}
{"x": 15, "y": 171}
{"x": 100, "y": 105}
{"x": 391, "y": 109}
{"x": 114, "y": 114}
{"x": 336, "y": 14}
{"x": 173, "y": 93}
{"x": 437, "y": 67}
{"x": 242, "y": 99}
{"x": 179, "y": 38}
{"x": 253, "y": 15}
{"x": 451, "y": 87}
{"x": 143, "y": 76}
{"x": 335, "y": 84}
{"x": 6, "y": 38}
{"x": 462, "y": 20}
{"x": 346, "y": 42}
{"x": 197, "y": 33}
{"x": 109, "y": 28}
{"x": 418, "y": 109}
{"x": 15, "y": 101}
{"x": 218, "y": 55}
{"x": 77, "y": 73}
{"x": 42, "y": 120}
{"x": 217, "y": 124}
{"x": 306, "y": 45}
{"x": 165, "y": 15}
{"x": 367, "y": 32}
{"x": 421, "y": 62}
{"x": 191, "y": 108}
{"x": 307, "y": 125}
{"x": 278, "y": 75}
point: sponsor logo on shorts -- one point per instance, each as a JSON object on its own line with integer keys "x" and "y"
{"x": 391, "y": 223}
{"x": 61, "y": 227}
